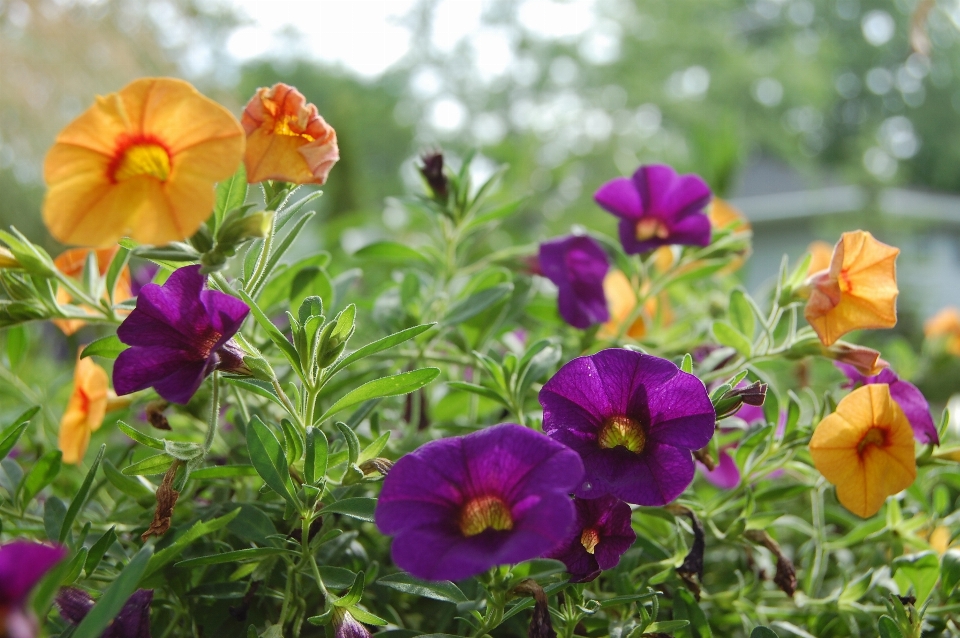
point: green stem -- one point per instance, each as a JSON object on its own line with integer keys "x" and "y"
{"x": 214, "y": 413}
{"x": 253, "y": 286}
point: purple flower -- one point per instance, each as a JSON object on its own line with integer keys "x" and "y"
{"x": 907, "y": 396}
{"x": 657, "y": 208}
{"x": 577, "y": 265}
{"x": 346, "y": 626}
{"x": 725, "y": 475}
{"x": 22, "y": 565}
{"x": 633, "y": 418}
{"x": 133, "y": 621}
{"x": 461, "y": 505}
{"x": 179, "y": 333}
{"x": 601, "y": 536}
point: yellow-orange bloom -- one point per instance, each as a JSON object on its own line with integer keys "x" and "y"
{"x": 71, "y": 263}
{"x": 821, "y": 253}
{"x": 85, "y": 411}
{"x": 724, "y": 216}
{"x": 287, "y": 140}
{"x": 945, "y": 324}
{"x": 621, "y": 302}
{"x": 141, "y": 162}
{"x": 866, "y": 449}
{"x": 859, "y": 290}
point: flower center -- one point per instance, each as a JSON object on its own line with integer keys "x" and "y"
{"x": 282, "y": 127}
{"x": 650, "y": 227}
{"x": 486, "y": 512}
{"x": 147, "y": 158}
{"x": 874, "y": 436}
{"x": 590, "y": 539}
{"x": 622, "y": 431}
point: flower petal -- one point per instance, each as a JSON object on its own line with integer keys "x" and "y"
{"x": 620, "y": 197}
{"x": 22, "y": 565}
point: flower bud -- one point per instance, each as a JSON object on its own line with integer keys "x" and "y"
{"x": 346, "y": 626}
{"x": 7, "y": 260}
{"x": 432, "y": 171}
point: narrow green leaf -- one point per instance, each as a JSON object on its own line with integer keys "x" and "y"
{"x": 283, "y": 246}
{"x": 81, "y": 498}
{"x": 361, "y": 508}
{"x": 76, "y": 566}
{"x": 353, "y": 443}
{"x": 887, "y": 627}
{"x": 17, "y": 345}
{"x": 476, "y": 303}
{"x": 373, "y": 450}
{"x": 238, "y": 556}
{"x": 157, "y": 464}
{"x": 117, "y": 264}
{"x": 54, "y": 511}
{"x": 336, "y": 577}
{"x": 438, "y": 590}
{"x": 380, "y": 345}
{"x": 107, "y": 347}
{"x": 391, "y": 251}
{"x": 114, "y": 598}
{"x": 140, "y": 437}
{"x": 480, "y": 390}
{"x": 98, "y": 550}
{"x": 273, "y": 332}
{"x": 10, "y": 436}
{"x": 665, "y": 626}
{"x": 168, "y": 554}
{"x": 353, "y": 596}
{"x": 268, "y": 458}
{"x": 763, "y": 632}
{"x": 131, "y": 487}
{"x": 726, "y": 335}
{"x": 41, "y": 474}
{"x": 223, "y": 471}
{"x": 315, "y": 464}
{"x": 394, "y": 385}
{"x": 366, "y": 617}
{"x": 231, "y": 193}
{"x": 741, "y": 313}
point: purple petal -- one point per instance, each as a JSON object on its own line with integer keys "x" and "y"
{"x": 22, "y": 565}
{"x": 667, "y": 195}
{"x": 577, "y": 266}
{"x": 176, "y": 305}
{"x": 225, "y": 312}
{"x": 692, "y": 230}
{"x": 726, "y": 475}
{"x": 175, "y": 377}
{"x": 916, "y": 409}
{"x": 620, "y": 197}
{"x": 653, "y": 478}
{"x": 853, "y": 375}
{"x": 74, "y": 604}
{"x": 133, "y": 621}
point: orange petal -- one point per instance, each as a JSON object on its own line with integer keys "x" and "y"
{"x": 723, "y": 215}
{"x": 820, "y": 255}
{"x": 85, "y": 410}
{"x": 621, "y": 300}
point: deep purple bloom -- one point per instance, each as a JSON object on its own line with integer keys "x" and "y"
{"x": 22, "y": 565}
{"x": 461, "y": 505}
{"x": 657, "y": 208}
{"x": 133, "y": 621}
{"x": 602, "y": 534}
{"x": 633, "y": 418}
{"x": 907, "y": 396}
{"x": 725, "y": 475}
{"x": 577, "y": 265}
{"x": 179, "y": 333}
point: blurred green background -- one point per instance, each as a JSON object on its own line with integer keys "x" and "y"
{"x": 813, "y": 116}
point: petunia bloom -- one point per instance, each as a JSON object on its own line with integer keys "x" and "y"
{"x": 90, "y": 401}
{"x": 866, "y": 449}
{"x": 133, "y": 621}
{"x": 577, "y": 266}
{"x": 287, "y": 140}
{"x": 657, "y": 207}
{"x": 906, "y": 395}
{"x": 859, "y": 290}
{"x": 600, "y": 537}
{"x": 141, "y": 162}
{"x": 179, "y": 333}
{"x": 945, "y": 325}
{"x": 22, "y": 565}
{"x": 458, "y": 506}
{"x": 634, "y": 419}
{"x": 71, "y": 263}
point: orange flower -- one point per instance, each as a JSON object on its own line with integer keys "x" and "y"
{"x": 141, "y": 162}
{"x": 866, "y": 449}
{"x": 85, "y": 411}
{"x": 945, "y": 324}
{"x": 287, "y": 140}
{"x": 858, "y": 291}
{"x": 820, "y": 255}
{"x": 621, "y": 301}
{"x": 71, "y": 263}
{"x": 724, "y": 216}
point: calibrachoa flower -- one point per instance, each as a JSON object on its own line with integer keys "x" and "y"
{"x": 821, "y": 254}
{"x": 724, "y": 216}
{"x": 133, "y": 621}
{"x": 622, "y": 301}
{"x": 633, "y": 418}
{"x": 907, "y": 396}
{"x": 859, "y": 290}
{"x": 179, "y": 333}
{"x": 461, "y": 505}
{"x": 577, "y": 265}
{"x": 141, "y": 162}
{"x": 346, "y": 626}
{"x": 22, "y": 565}
{"x": 600, "y": 537}
{"x": 90, "y": 401}
{"x": 658, "y": 207}
{"x": 287, "y": 140}
{"x": 866, "y": 449}
{"x": 70, "y": 263}
{"x": 946, "y": 325}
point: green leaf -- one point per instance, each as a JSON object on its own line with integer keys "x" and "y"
{"x": 44, "y": 470}
{"x": 231, "y": 193}
{"x": 921, "y": 570}
{"x": 496, "y": 214}
{"x": 238, "y": 556}
{"x": 117, "y": 264}
{"x": 373, "y": 450}
{"x": 130, "y": 487}
{"x": 479, "y": 390}
{"x": 476, "y": 303}
{"x": 687, "y": 364}
{"x": 763, "y": 632}
{"x": 394, "y": 385}
{"x": 99, "y": 549}
{"x": 76, "y": 566}
{"x": 10, "y": 436}
{"x": 273, "y": 332}
{"x": 309, "y": 282}
{"x": 353, "y": 443}
{"x": 54, "y": 511}
{"x": 223, "y": 471}
{"x": 887, "y": 627}
{"x": 107, "y": 347}
{"x": 665, "y": 626}
{"x": 353, "y": 596}
{"x": 438, "y": 590}
{"x": 260, "y": 388}
{"x": 168, "y": 554}
{"x": 741, "y": 314}
{"x": 391, "y": 251}
{"x": 380, "y": 345}
{"x": 268, "y": 458}
{"x": 81, "y": 498}
{"x": 360, "y": 508}
{"x": 950, "y": 569}
{"x": 114, "y": 598}
{"x": 336, "y": 577}
{"x": 17, "y": 345}
{"x": 727, "y": 336}
{"x": 140, "y": 437}
{"x": 157, "y": 464}
{"x": 315, "y": 464}
{"x": 252, "y": 525}
{"x": 366, "y": 617}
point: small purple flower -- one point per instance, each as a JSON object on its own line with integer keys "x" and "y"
{"x": 22, "y": 565}
{"x": 633, "y": 418}
{"x": 461, "y": 505}
{"x": 657, "y": 208}
{"x": 725, "y": 475}
{"x": 601, "y": 536}
{"x": 346, "y": 626}
{"x": 577, "y": 265}
{"x": 133, "y": 621}
{"x": 179, "y": 333}
{"x": 907, "y": 396}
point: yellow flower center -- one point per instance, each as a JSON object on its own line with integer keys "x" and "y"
{"x": 147, "y": 158}
{"x": 590, "y": 539}
{"x": 282, "y": 127}
{"x": 622, "y": 431}
{"x": 650, "y": 227}
{"x": 874, "y": 436}
{"x": 486, "y": 512}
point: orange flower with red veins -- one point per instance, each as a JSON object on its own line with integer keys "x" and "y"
{"x": 866, "y": 449}
{"x": 287, "y": 140}
{"x": 859, "y": 290}
{"x": 945, "y": 324}
{"x": 71, "y": 263}
{"x": 141, "y": 162}
{"x": 89, "y": 403}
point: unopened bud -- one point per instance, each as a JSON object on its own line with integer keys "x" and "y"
{"x": 432, "y": 171}
{"x": 7, "y": 260}
{"x": 240, "y": 229}
{"x": 259, "y": 368}
{"x": 732, "y": 400}
{"x": 379, "y": 465}
{"x": 867, "y": 361}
